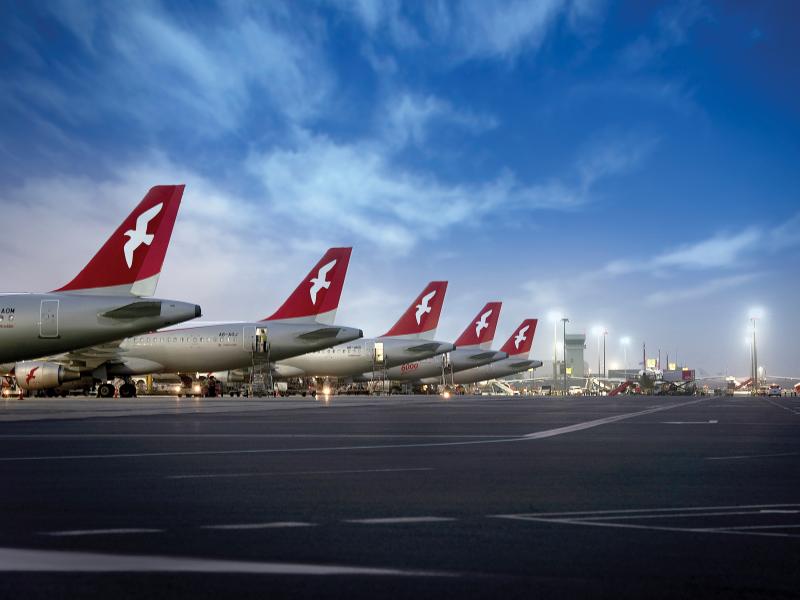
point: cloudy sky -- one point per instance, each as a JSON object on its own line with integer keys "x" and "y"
{"x": 634, "y": 165}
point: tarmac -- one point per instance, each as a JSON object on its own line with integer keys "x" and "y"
{"x": 402, "y": 497}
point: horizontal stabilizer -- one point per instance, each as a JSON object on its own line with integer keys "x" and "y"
{"x": 483, "y": 355}
{"x": 429, "y": 347}
{"x": 135, "y": 310}
{"x": 323, "y": 333}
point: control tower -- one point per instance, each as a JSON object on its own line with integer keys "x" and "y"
{"x": 575, "y": 345}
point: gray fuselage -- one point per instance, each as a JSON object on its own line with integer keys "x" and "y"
{"x": 458, "y": 360}
{"x": 220, "y": 347}
{"x": 495, "y": 370}
{"x": 35, "y": 325}
{"x": 355, "y": 359}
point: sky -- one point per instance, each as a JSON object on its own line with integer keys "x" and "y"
{"x": 631, "y": 165}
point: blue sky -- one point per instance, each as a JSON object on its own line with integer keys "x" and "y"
{"x": 632, "y": 164}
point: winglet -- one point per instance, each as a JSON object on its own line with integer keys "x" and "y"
{"x": 521, "y": 340}
{"x": 422, "y": 317}
{"x": 129, "y": 263}
{"x": 317, "y": 297}
{"x": 480, "y": 332}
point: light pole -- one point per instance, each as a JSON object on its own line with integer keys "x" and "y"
{"x": 598, "y": 331}
{"x": 605, "y": 373}
{"x": 564, "y": 321}
{"x": 625, "y": 341}
{"x": 754, "y": 366}
{"x": 555, "y": 317}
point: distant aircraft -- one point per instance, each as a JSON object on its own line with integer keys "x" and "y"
{"x": 100, "y": 304}
{"x": 302, "y": 324}
{"x": 517, "y": 348}
{"x": 472, "y": 350}
{"x": 410, "y": 338}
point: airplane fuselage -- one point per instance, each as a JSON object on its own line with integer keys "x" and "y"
{"x": 501, "y": 368}
{"x": 225, "y": 346}
{"x": 458, "y": 360}
{"x": 35, "y": 325}
{"x": 356, "y": 358}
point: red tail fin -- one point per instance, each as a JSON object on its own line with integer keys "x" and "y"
{"x": 317, "y": 296}
{"x": 422, "y": 317}
{"x": 480, "y": 332}
{"x": 521, "y": 340}
{"x": 129, "y": 263}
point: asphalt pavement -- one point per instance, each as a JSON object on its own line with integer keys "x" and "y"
{"x": 401, "y": 497}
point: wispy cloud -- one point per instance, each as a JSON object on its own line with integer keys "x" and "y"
{"x": 500, "y": 30}
{"x": 408, "y": 118}
{"x": 672, "y": 25}
{"x": 684, "y": 292}
{"x": 357, "y": 188}
{"x": 202, "y": 73}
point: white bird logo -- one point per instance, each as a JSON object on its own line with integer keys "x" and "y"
{"x": 482, "y": 324}
{"x": 139, "y": 236}
{"x": 423, "y": 307}
{"x": 319, "y": 282}
{"x": 520, "y": 337}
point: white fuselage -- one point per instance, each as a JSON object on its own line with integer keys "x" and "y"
{"x": 495, "y": 370}
{"x": 454, "y": 361}
{"x": 221, "y": 347}
{"x": 356, "y": 358}
{"x": 36, "y": 325}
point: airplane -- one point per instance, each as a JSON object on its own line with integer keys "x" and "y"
{"x": 517, "y": 347}
{"x": 102, "y": 303}
{"x": 410, "y": 338}
{"x": 303, "y": 323}
{"x": 472, "y": 350}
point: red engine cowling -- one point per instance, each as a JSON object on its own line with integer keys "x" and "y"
{"x": 39, "y": 375}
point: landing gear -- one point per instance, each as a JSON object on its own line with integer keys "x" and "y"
{"x": 127, "y": 390}
{"x": 105, "y": 390}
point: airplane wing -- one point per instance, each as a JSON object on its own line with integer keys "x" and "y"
{"x": 89, "y": 359}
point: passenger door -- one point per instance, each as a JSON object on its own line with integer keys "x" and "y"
{"x": 48, "y": 319}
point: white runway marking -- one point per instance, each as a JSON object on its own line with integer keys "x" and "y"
{"x": 710, "y": 422}
{"x": 273, "y": 525}
{"x": 118, "y": 531}
{"x": 779, "y": 405}
{"x": 531, "y": 436}
{"x": 279, "y": 473}
{"x": 398, "y": 520}
{"x": 607, "y": 518}
{"x": 647, "y": 510}
{"x": 13, "y": 559}
{"x": 744, "y": 456}
{"x": 68, "y": 436}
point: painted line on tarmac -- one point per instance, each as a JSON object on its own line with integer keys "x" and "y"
{"x": 279, "y": 473}
{"x": 593, "y": 523}
{"x": 117, "y": 531}
{"x": 709, "y": 422}
{"x": 779, "y": 405}
{"x": 15, "y": 559}
{"x": 398, "y": 520}
{"x": 69, "y": 436}
{"x": 531, "y": 436}
{"x": 271, "y": 525}
{"x": 646, "y": 510}
{"x": 745, "y": 456}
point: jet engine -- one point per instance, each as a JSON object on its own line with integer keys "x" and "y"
{"x": 40, "y": 375}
